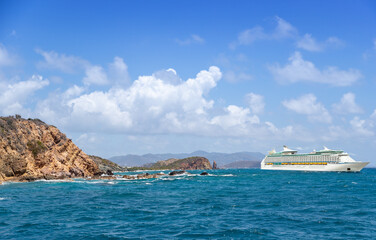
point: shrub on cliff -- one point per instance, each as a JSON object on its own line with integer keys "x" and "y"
{"x": 36, "y": 147}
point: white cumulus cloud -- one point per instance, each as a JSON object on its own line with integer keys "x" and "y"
{"x": 308, "y": 105}
{"x": 13, "y": 96}
{"x": 149, "y": 105}
{"x": 157, "y": 104}
{"x": 347, "y": 105}
{"x": 300, "y": 70}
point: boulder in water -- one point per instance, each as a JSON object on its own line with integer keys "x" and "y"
{"x": 173, "y": 173}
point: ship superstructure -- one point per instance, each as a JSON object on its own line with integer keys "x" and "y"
{"x": 323, "y": 160}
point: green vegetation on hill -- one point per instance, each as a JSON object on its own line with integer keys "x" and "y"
{"x": 189, "y": 163}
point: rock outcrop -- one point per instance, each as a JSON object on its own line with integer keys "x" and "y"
{"x": 173, "y": 173}
{"x": 190, "y": 163}
{"x": 215, "y": 165}
{"x": 31, "y": 149}
{"x": 143, "y": 176}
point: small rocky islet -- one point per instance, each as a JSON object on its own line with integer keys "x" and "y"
{"x": 32, "y": 150}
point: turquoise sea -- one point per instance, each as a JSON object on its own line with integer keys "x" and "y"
{"x": 228, "y": 204}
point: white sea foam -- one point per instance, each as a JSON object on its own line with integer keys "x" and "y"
{"x": 168, "y": 179}
{"x": 54, "y": 180}
{"x": 2, "y": 198}
{"x": 124, "y": 179}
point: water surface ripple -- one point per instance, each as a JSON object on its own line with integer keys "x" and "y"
{"x": 229, "y": 204}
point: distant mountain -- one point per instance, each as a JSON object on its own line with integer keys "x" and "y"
{"x": 243, "y": 164}
{"x": 221, "y": 158}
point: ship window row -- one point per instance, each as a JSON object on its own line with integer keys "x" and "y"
{"x": 310, "y": 158}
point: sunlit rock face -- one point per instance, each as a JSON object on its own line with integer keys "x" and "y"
{"x": 31, "y": 149}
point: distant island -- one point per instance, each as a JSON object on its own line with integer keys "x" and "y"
{"x": 223, "y": 160}
{"x": 190, "y": 163}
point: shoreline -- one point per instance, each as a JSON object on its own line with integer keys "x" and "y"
{"x": 140, "y": 176}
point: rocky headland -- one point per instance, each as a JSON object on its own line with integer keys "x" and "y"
{"x": 106, "y": 165}
{"x": 31, "y": 150}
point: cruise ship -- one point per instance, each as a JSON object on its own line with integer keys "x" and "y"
{"x": 325, "y": 160}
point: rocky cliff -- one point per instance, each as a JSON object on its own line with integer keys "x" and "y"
{"x": 190, "y": 163}
{"x": 31, "y": 149}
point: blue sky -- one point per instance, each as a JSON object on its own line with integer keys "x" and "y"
{"x": 123, "y": 77}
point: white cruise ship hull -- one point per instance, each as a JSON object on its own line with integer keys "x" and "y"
{"x": 334, "y": 167}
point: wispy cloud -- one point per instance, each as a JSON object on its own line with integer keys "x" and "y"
{"x": 235, "y": 68}
{"x": 255, "y": 102}
{"x": 13, "y": 96}
{"x": 307, "y": 42}
{"x": 94, "y": 74}
{"x": 361, "y": 127}
{"x": 300, "y": 70}
{"x": 308, "y": 105}
{"x": 193, "y": 39}
{"x": 347, "y": 105}
{"x": 61, "y": 62}
{"x": 283, "y": 29}
{"x": 6, "y": 59}
{"x": 13, "y": 33}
